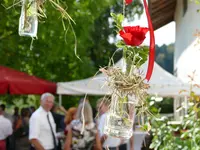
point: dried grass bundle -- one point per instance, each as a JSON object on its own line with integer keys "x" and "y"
{"x": 123, "y": 84}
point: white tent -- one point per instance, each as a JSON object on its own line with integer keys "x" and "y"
{"x": 162, "y": 83}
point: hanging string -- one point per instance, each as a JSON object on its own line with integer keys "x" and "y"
{"x": 82, "y": 114}
{"x": 124, "y": 6}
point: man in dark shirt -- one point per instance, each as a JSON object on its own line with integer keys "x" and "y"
{"x": 59, "y": 120}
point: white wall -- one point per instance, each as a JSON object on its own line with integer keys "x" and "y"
{"x": 187, "y": 51}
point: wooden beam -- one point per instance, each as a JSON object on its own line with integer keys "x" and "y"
{"x": 168, "y": 15}
{"x": 162, "y": 12}
{"x": 161, "y": 24}
{"x": 163, "y": 20}
{"x": 162, "y": 6}
{"x": 161, "y": 2}
{"x": 166, "y": 10}
{"x": 154, "y": 1}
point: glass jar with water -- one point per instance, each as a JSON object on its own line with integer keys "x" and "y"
{"x": 28, "y": 22}
{"x": 120, "y": 118}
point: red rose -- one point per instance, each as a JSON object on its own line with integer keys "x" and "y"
{"x": 133, "y": 35}
{"x": 128, "y": 2}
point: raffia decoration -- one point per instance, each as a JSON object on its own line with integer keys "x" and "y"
{"x": 131, "y": 84}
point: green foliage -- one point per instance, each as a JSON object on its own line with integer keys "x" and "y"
{"x": 185, "y": 135}
{"x": 52, "y": 56}
{"x": 196, "y": 1}
{"x": 134, "y": 55}
{"x": 160, "y": 105}
{"x": 164, "y": 137}
{"x": 168, "y": 136}
{"x": 118, "y": 19}
{"x": 19, "y": 101}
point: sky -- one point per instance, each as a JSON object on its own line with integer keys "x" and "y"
{"x": 164, "y": 35}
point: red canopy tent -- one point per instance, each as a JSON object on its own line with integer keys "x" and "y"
{"x": 16, "y": 82}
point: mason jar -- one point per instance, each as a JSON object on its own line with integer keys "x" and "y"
{"x": 120, "y": 117}
{"x": 28, "y": 21}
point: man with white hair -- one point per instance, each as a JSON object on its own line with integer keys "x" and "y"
{"x": 42, "y": 129}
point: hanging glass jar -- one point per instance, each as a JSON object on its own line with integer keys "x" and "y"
{"x": 120, "y": 118}
{"x": 129, "y": 93}
{"x": 28, "y": 22}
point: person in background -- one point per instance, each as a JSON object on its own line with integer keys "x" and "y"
{"x": 99, "y": 104}
{"x": 7, "y": 115}
{"x": 5, "y": 129}
{"x": 10, "y": 141}
{"x": 85, "y": 99}
{"x": 124, "y": 144}
{"x": 32, "y": 110}
{"x": 71, "y": 115}
{"x": 108, "y": 142}
{"x": 16, "y": 117}
{"x": 21, "y": 134}
{"x": 42, "y": 128}
{"x": 98, "y": 110}
{"x": 59, "y": 120}
{"x": 82, "y": 132}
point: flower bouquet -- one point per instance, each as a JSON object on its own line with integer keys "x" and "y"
{"x": 129, "y": 89}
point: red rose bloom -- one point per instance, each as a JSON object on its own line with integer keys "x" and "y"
{"x": 128, "y": 2}
{"x": 133, "y": 35}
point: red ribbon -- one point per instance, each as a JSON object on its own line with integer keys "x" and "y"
{"x": 152, "y": 44}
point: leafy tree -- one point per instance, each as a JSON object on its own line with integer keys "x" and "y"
{"x": 52, "y": 56}
{"x": 165, "y": 56}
